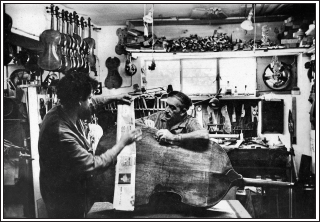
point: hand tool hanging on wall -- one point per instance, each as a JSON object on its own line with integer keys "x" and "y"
{"x": 227, "y": 123}
{"x": 50, "y": 58}
{"x": 293, "y": 171}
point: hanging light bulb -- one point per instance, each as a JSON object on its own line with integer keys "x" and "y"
{"x": 247, "y": 24}
{"x": 149, "y": 17}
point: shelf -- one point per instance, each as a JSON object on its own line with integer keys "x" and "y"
{"x": 310, "y": 50}
{"x": 223, "y": 98}
{"x": 223, "y": 54}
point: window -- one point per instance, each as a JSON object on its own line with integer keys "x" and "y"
{"x": 198, "y": 76}
{"x": 166, "y": 73}
{"x": 240, "y": 72}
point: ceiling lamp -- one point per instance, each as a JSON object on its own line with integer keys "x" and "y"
{"x": 149, "y": 17}
{"x": 247, "y": 24}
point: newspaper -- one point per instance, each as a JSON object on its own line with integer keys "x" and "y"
{"x": 124, "y": 191}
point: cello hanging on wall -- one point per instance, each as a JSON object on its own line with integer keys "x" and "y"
{"x": 50, "y": 58}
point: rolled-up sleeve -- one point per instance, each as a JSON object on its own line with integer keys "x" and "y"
{"x": 193, "y": 125}
{"x": 102, "y": 100}
{"x": 80, "y": 160}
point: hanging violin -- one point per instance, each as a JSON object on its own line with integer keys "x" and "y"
{"x": 92, "y": 45}
{"x": 50, "y": 58}
{"x": 130, "y": 68}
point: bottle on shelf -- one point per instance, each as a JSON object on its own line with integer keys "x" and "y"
{"x": 245, "y": 91}
{"x": 235, "y": 91}
{"x": 228, "y": 89}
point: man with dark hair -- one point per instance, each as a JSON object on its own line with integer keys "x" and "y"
{"x": 66, "y": 156}
{"x": 174, "y": 124}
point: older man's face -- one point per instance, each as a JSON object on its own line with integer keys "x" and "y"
{"x": 174, "y": 109}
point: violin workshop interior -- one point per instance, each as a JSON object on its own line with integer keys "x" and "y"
{"x": 219, "y": 121}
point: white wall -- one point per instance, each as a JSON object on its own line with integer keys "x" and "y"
{"x": 303, "y": 125}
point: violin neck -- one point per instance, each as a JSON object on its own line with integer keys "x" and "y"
{"x": 89, "y": 26}
{"x": 52, "y": 22}
{"x": 261, "y": 183}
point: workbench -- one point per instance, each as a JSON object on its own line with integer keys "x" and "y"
{"x": 224, "y": 209}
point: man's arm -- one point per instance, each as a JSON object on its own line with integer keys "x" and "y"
{"x": 103, "y": 100}
{"x": 166, "y": 136}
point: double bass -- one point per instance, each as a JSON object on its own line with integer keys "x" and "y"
{"x": 50, "y": 58}
{"x": 199, "y": 172}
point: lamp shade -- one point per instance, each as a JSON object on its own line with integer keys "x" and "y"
{"x": 247, "y": 24}
{"x": 148, "y": 18}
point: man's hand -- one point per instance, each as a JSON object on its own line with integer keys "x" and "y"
{"x": 165, "y": 136}
{"x": 125, "y": 98}
{"x": 149, "y": 123}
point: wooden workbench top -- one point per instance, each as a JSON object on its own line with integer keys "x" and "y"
{"x": 224, "y": 209}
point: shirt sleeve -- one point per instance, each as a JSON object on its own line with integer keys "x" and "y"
{"x": 152, "y": 117}
{"x": 101, "y": 100}
{"x": 193, "y": 125}
{"x": 82, "y": 161}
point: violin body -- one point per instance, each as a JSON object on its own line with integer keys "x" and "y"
{"x": 113, "y": 79}
{"x": 122, "y": 35}
{"x": 8, "y": 50}
{"x": 91, "y": 45}
{"x": 50, "y": 58}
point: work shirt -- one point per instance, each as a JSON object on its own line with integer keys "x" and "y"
{"x": 187, "y": 125}
{"x": 66, "y": 160}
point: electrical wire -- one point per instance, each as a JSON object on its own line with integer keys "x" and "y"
{"x": 255, "y": 28}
